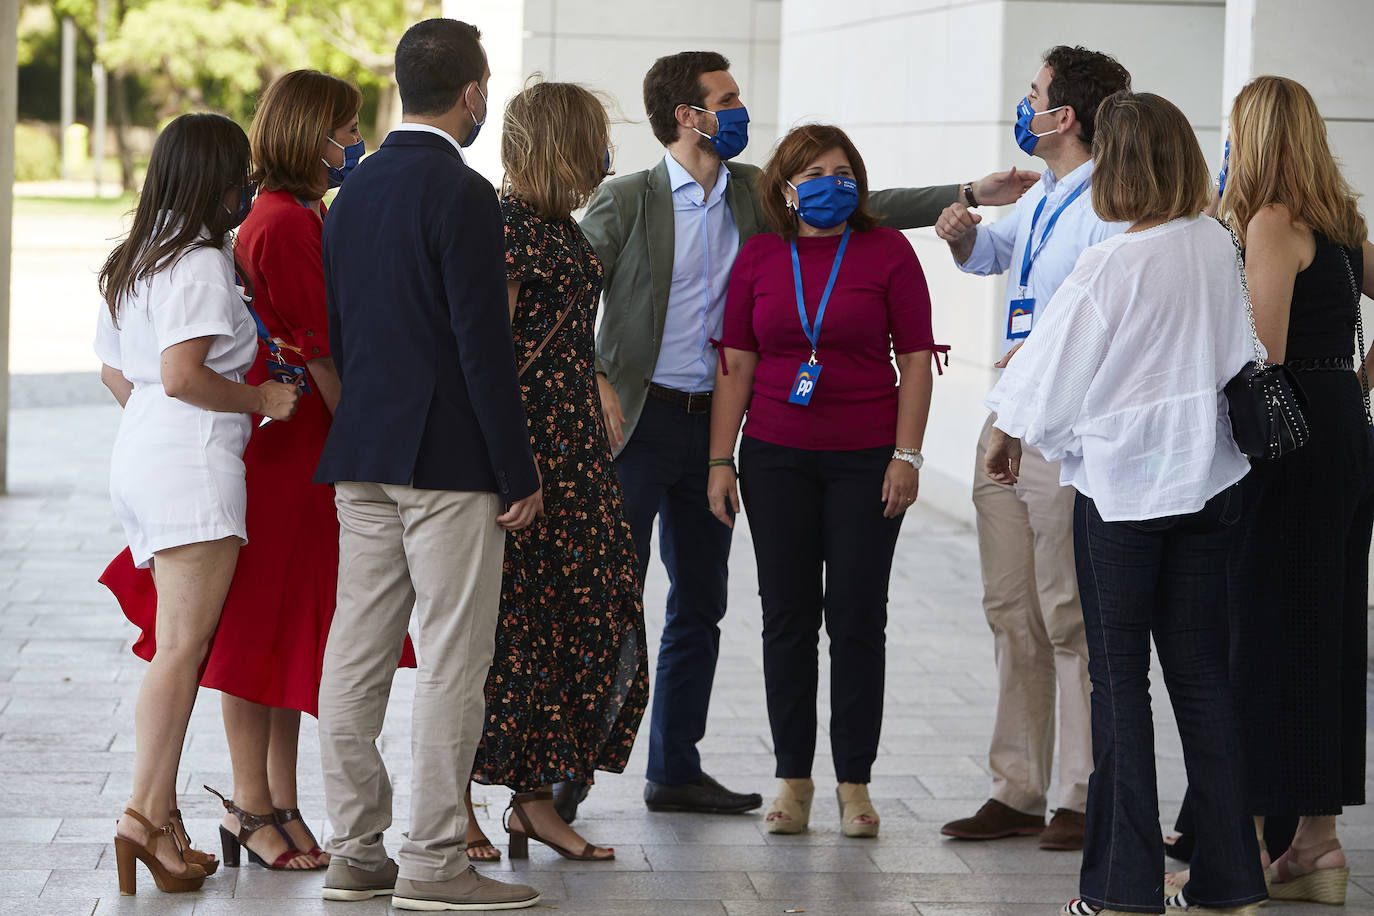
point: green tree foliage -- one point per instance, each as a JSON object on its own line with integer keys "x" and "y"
{"x": 220, "y": 54}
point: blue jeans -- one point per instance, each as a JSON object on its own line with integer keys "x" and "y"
{"x": 1167, "y": 578}
{"x": 663, "y": 472}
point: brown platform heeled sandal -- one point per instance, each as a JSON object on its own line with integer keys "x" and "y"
{"x": 192, "y": 855}
{"x": 127, "y": 850}
{"x": 286, "y": 816}
{"x": 250, "y": 824}
{"x": 519, "y": 839}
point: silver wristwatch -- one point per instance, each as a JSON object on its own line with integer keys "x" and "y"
{"x": 911, "y": 456}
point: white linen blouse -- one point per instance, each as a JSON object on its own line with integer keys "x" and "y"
{"x": 1122, "y": 380}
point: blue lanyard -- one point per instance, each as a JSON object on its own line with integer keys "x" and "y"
{"x": 813, "y": 333}
{"x": 263, "y": 333}
{"x": 1028, "y": 258}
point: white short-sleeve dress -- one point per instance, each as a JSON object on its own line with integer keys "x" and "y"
{"x": 176, "y": 474}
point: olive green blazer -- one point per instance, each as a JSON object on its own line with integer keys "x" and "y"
{"x": 630, "y": 224}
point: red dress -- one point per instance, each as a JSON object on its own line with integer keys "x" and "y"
{"x": 269, "y": 647}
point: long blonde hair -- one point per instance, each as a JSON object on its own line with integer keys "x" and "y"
{"x": 1279, "y": 155}
{"x": 553, "y": 146}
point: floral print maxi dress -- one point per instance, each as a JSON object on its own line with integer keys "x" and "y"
{"x": 570, "y": 677}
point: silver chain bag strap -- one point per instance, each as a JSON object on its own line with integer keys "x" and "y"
{"x": 1264, "y": 400}
{"x": 1359, "y": 333}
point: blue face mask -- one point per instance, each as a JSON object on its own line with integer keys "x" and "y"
{"x": 246, "y": 194}
{"x": 353, "y": 154}
{"x": 606, "y": 163}
{"x": 1025, "y": 137}
{"x": 1225, "y": 167}
{"x": 476, "y": 124}
{"x": 732, "y": 131}
{"x": 827, "y": 201}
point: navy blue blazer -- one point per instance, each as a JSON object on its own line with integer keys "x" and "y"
{"x": 419, "y": 328}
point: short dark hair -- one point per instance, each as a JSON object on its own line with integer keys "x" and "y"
{"x": 435, "y": 59}
{"x": 1081, "y": 80}
{"x": 676, "y": 80}
{"x": 1146, "y": 161}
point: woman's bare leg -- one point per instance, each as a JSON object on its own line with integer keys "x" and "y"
{"x": 192, "y": 581}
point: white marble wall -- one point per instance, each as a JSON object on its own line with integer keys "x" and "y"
{"x": 610, "y": 44}
{"x": 928, "y": 90}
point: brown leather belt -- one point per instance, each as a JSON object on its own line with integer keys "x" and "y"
{"x": 698, "y": 403}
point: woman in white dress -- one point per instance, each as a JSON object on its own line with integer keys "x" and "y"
{"x": 175, "y": 340}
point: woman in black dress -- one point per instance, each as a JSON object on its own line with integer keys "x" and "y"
{"x": 570, "y": 678}
{"x": 1302, "y": 577}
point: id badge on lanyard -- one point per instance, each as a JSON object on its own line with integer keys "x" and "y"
{"x": 278, "y": 369}
{"x": 804, "y": 385}
{"x": 1021, "y": 311}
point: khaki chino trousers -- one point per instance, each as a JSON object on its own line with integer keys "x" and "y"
{"x": 1030, "y": 598}
{"x": 439, "y": 553}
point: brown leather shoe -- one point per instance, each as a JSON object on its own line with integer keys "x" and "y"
{"x": 995, "y": 820}
{"x": 1065, "y": 831}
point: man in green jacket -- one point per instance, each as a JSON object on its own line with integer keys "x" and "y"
{"x": 667, "y": 238}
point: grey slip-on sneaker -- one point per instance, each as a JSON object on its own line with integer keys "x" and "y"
{"x": 350, "y": 883}
{"x": 469, "y": 890}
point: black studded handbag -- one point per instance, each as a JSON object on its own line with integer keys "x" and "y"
{"x": 1265, "y": 401}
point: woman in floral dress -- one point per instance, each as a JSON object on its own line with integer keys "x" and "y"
{"x": 570, "y": 679}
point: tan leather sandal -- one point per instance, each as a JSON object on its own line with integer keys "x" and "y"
{"x": 791, "y": 809}
{"x": 127, "y": 851}
{"x": 854, "y": 804}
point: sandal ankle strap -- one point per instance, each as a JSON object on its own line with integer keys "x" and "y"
{"x": 248, "y": 821}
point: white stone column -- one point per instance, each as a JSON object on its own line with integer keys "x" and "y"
{"x": 502, "y": 26}
{"x": 610, "y": 44}
{"x": 9, "y": 113}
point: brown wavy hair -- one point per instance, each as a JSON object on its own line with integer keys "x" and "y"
{"x": 553, "y": 143}
{"x": 297, "y": 113}
{"x": 1146, "y": 160}
{"x": 197, "y": 159}
{"x": 795, "y": 152}
{"x": 1280, "y": 155}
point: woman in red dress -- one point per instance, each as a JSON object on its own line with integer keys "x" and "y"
{"x": 268, "y": 650}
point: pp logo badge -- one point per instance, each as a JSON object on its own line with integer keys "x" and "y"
{"x": 805, "y": 384}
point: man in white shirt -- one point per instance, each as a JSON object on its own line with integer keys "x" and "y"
{"x": 1025, "y": 530}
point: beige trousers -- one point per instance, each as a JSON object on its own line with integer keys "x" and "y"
{"x": 1030, "y": 597}
{"x": 438, "y": 552}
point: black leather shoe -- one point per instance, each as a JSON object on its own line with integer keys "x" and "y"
{"x": 705, "y": 796}
{"x": 566, "y": 797}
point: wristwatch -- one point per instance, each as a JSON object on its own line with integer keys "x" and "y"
{"x": 968, "y": 194}
{"x": 911, "y": 456}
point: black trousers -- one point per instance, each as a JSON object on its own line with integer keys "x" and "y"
{"x": 824, "y": 551}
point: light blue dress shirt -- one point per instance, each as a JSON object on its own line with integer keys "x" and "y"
{"x": 1001, "y": 246}
{"x": 705, "y": 242}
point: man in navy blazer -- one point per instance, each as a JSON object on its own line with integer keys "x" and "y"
{"x": 430, "y": 457}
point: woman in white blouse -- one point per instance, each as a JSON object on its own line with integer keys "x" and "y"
{"x": 175, "y": 340}
{"x": 1122, "y": 383}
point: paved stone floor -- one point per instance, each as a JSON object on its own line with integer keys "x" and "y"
{"x": 67, "y": 684}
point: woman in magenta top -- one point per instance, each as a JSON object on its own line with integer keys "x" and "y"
{"x": 831, "y": 452}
